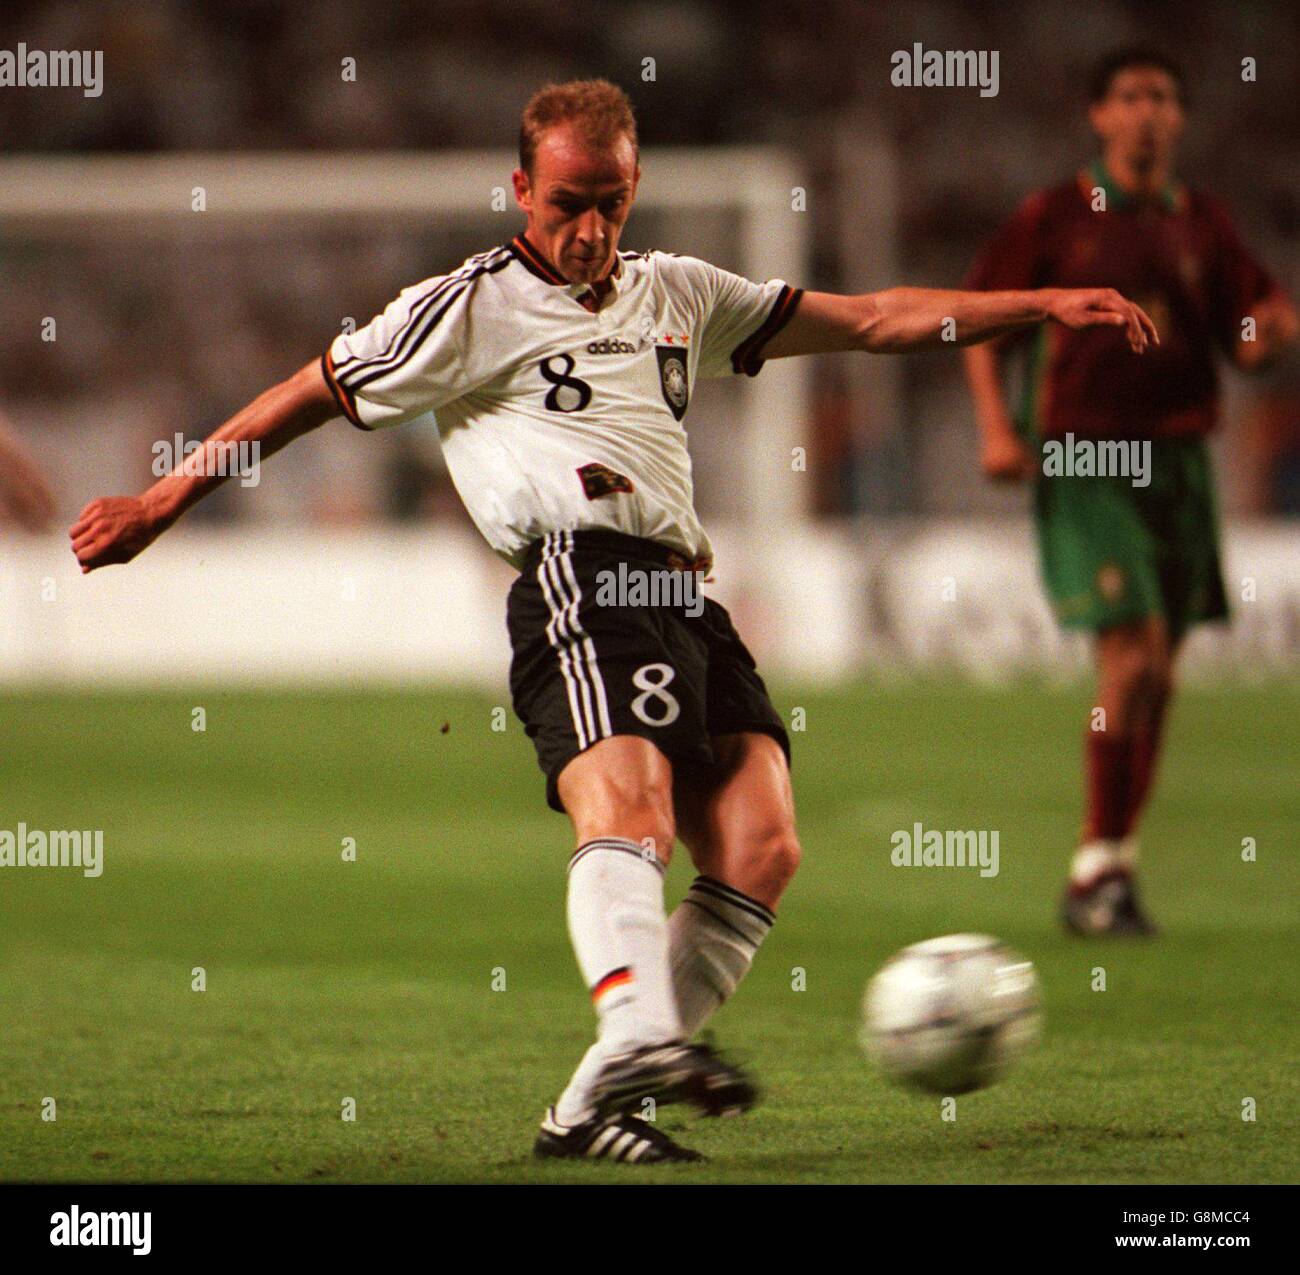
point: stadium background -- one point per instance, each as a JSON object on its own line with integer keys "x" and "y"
{"x": 353, "y": 564}
{"x": 169, "y": 324}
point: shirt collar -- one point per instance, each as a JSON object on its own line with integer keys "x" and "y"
{"x": 1169, "y": 196}
{"x": 537, "y": 264}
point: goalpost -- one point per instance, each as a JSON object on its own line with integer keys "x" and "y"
{"x": 750, "y": 191}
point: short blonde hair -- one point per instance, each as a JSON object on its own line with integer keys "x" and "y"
{"x": 601, "y": 111}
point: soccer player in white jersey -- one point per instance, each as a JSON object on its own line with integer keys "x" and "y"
{"x": 559, "y": 370}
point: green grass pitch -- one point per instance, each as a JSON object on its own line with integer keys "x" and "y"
{"x": 374, "y": 980}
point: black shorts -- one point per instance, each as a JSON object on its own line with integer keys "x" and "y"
{"x": 584, "y": 669}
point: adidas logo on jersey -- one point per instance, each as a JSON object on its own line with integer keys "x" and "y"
{"x": 611, "y": 346}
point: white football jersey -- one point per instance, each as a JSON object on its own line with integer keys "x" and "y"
{"x": 554, "y": 418}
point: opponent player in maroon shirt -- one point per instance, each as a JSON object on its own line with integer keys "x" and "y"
{"x": 1124, "y": 496}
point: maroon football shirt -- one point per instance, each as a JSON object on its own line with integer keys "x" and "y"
{"x": 1176, "y": 255}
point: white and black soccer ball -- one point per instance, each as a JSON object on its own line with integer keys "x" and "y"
{"x": 951, "y": 1015}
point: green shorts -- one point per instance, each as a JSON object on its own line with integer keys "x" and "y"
{"x": 1112, "y": 552}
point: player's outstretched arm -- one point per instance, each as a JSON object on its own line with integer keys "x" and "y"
{"x": 117, "y": 528}
{"x": 902, "y": 319}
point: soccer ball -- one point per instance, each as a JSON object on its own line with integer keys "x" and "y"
{"x": 951, "y": 1015}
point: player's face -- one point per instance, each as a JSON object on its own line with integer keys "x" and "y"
{"x": 1141, "y": 118}
{"x": 577, "y": 200}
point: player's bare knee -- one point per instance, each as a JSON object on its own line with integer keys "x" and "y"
{"x": 774, "y": 860}
{"x": 634, "y": 807}
{"x": 1127, "y": 672}
{"x": 647, "y": 804}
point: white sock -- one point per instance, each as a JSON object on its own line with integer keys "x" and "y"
{"x": 620, "y": 936}
{"x": 712, "y": 937}
{"x": 1097, "y": 858}
{"x": 574, "y": 1105}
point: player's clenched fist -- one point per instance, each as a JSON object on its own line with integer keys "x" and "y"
{"x": 113, "y": 529}
{"x": 1093, "y": 307}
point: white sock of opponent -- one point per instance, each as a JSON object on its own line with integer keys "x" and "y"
{"x": 1098, "y": 858}
{"x": 713, "y": 935}
{"x": 620, "y": 936}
